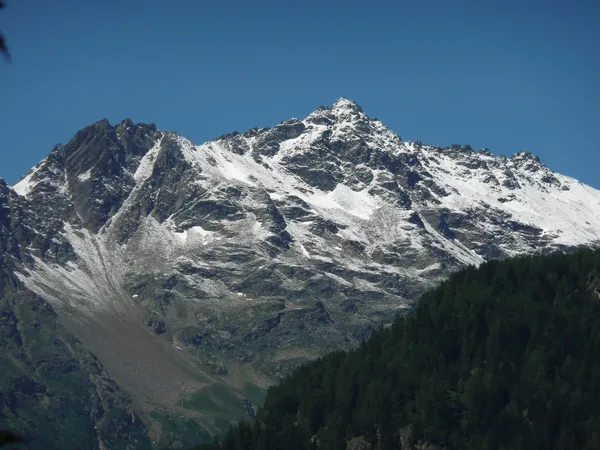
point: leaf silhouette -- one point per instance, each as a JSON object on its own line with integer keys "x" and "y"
{"x": 3, "y": 47}
{"x": 8, "y": 437}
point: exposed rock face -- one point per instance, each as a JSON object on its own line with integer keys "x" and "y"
{"x": 233, "y": 261}
{"x": 405, "y": 438}
{"x": 358, "y": 443}
{"x": 48, "y": 380}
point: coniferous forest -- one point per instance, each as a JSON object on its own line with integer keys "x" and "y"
{"x": 504, "y": 356}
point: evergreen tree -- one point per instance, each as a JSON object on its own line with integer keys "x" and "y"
{"x": 504, "y": 356}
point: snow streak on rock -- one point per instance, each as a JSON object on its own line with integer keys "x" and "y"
{"x": 337, "y": 187}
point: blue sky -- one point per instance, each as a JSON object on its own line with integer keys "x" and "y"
{"x": 508, "y": 75}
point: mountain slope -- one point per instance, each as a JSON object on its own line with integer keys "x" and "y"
{"x": 500, "y": 357}
{"x": 52, "y": 390}
{"x": 198, "y": 274}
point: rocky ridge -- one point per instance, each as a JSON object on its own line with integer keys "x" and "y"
{"x": 233, "y": 261}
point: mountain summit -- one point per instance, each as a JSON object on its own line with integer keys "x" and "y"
{"x": 207, "y": 271}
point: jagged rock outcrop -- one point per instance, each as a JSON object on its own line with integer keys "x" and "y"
{"x": 200, "y": 273}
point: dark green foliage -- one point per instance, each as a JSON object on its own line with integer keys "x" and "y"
{"x": 52, "y": 391}
{"x": 506, "y": 356}
{"x": 121, "y": 429}
{"x": 9, "y": 438}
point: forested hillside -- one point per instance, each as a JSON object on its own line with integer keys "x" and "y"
{"x": 506, "y": 356}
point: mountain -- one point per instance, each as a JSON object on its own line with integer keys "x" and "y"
{"x": 500, "y": 357}
{"x": 52, "y": 389}
{"x": 199, "y": 274}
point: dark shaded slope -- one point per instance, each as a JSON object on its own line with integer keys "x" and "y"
{"x": 52, "y": 391}
{"x": 500, "y": 357}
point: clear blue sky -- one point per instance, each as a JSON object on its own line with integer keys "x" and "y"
{"x": 503, "y": 74}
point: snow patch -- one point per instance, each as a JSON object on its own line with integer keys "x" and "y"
{"x": 195, "y": 235}
{"x": 570, "y": 215}
{"x": 357, "y": 203}
{"x": 85, "y": 175}
{"x": 94, "y": 281}
{"x": 303, "y": 250}
{"x": 146, "y": 166}
{"x": 24, "y": 187}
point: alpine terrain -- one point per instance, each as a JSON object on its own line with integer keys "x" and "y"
{"x": 171, "y": 283}
{"x": 499, "y": 357}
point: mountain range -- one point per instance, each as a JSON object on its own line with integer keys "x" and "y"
{"x": 176, "y": 280}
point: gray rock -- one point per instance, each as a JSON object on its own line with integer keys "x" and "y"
{"x": 227, "y": 265}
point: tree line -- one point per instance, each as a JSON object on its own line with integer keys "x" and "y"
{"x": 504, "y": 356}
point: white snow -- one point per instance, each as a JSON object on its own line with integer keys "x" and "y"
{"x": 300, "y": 144}
{"x": 144, "y": 170}
{"x": 54, "y": 178}
{"x": 24, "y": 187}
{"x": 195, "y": 235}
{"x": 93, "y": 281}
{"x": 304, "y": 251}
{"x": 356, "y": 203}
{"x": 570, "y": 214}
{"x": 373, "y": 222}
{"x": 85, "y": 175}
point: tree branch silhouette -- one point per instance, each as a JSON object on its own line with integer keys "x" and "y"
{"x": 3, "y": 47}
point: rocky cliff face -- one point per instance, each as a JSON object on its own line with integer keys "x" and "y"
{"x": 52, "y": 390}
{"x": 197, "y": 274}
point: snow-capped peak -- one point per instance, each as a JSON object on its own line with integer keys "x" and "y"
{"x": 525, "y": 156}
{"x": 343, "y": 110}
{"x": 343, "y": 103}
{"x": 335, "y": 177}
{"x": 298, "y": 238}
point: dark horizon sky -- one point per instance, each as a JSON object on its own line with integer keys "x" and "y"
{"x": 508, "y": 75}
